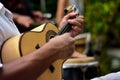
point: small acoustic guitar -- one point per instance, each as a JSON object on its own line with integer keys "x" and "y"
{"x": 28, "y": 42}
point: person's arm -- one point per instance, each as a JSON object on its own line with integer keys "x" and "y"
{"x": 78, "y": 25}
{"x": 60, "y": 10}
{"x": 29, "y": 67}
{"x": 24, "y": 20}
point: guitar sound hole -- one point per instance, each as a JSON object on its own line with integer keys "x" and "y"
{"x": 50, "y": 34}
{"x": 51, "y": 37}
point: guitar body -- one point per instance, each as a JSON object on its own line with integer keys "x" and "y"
{"x": 28, "y": 42}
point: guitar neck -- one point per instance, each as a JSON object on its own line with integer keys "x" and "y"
{"x": 65, "y": 29}
{"x": 68, "y": 26}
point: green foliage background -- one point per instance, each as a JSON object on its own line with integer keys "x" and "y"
{"x": 102, "y": 18}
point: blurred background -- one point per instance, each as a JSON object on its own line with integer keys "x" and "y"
{"x": 45, "y": 6}
{"x": 102, "y": 20}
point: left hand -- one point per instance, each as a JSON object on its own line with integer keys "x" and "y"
{"x": 39, "y": 18}
{"x": 38, "y": 14}
{"x": 77, "y": 23}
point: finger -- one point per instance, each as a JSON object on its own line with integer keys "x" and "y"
{"x": 75, "y": 22}
{"x": 82, "y": 17}
{"x": 78, "y": 29}
{"x": 68, "y": 37}
{"x": 71, "y": 15}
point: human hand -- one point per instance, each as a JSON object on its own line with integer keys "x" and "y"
{"x": 38, "y": 14}
{"x": 38, "y": 17}
{"x": 63, "y": 45}
{"x": 77, "y": 23}
{"x": 24, "y": 20}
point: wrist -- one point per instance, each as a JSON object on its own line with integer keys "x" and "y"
{"x": 47, "y": 51}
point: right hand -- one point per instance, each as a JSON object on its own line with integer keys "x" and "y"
{"x": 63, "y": 45}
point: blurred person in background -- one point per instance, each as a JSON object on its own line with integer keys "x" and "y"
{"x": 24, "y": 16}
{"x": 61, "y": 6}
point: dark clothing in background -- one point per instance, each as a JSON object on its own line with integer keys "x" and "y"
{"x": 22, "y": 7}
{"x": 18, "y": 6}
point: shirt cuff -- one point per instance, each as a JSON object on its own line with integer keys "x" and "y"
{"x": 1, "y": 65}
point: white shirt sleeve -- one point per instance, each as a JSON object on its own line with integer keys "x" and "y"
{"x": 111, "y": 76}
{"x": 7, "y": 26}
{"x": 0, "y": 64}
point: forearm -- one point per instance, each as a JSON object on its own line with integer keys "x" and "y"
{"x": 60, "y": 10}
{"x": 28, "y": 67}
